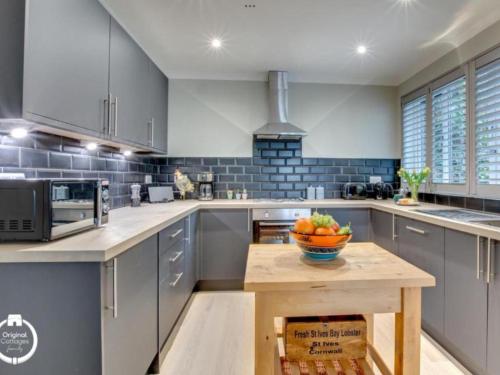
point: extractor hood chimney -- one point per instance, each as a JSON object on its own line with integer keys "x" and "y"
{"x": 278, "y": 126}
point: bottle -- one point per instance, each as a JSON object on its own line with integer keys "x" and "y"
{"x": 320, "y": 192}
{"x": 311, "y": 193}
{"x": 135, "y": 197}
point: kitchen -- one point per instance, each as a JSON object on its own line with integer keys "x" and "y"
{"x": 155, "y": 157}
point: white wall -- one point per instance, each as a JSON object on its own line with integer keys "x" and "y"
{"x": 217, "y": 118}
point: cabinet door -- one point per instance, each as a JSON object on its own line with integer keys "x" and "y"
{"x": 465, "y": 298}
{"x": 383, "y": 230}
{"x": 422, "y": 244}
{"x": 129, "y": 86}
{"x": 159, "y": 109}
{"x": 130, "y": 330}
{"x": 494, "y": 313}
{"x": 225, "y": 238}
{"x": 358, "y": 217}
{"x": 66, "y": 63}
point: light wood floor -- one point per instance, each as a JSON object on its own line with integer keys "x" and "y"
{"x": 216, "y": 338}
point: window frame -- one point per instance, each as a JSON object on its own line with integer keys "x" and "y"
{"x": 467, "y": 69}
{"x": 487, "y": 191}
{"x": 451, "y": 188}
{"x": 407, "y": 99}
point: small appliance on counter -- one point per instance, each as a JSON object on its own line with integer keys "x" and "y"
{"x": 380, "y": 190}
{"x": 47, "y": 209}
{"x": 160, "y": 194}
{"x": 135, "y": 195}
{"x": 354, "y": 190}
{"x": 205, "y": 181}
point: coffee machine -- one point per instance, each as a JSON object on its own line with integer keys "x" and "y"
{"x": 205, "y": 181}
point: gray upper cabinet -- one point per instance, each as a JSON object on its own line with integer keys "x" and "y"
{"x": 358, "y": 217}
{"x": 130, "y": 328}
{"x": 383, "y": 230}
{"x": 80, "y": 73}
{"x": 66, "y": 64}
{"x": 466, "y": 298}
{"x": 129, "y": 87}
{"x": 225, "y": 238}
{"x": 158, "y": 131}
{"x": 422, "y": 244}
{"x": 494, "y": 312}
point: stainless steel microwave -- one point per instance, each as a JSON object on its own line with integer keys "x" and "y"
{"x": 47, "y": 209}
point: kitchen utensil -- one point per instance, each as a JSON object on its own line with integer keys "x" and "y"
{"x": 321, "y": 248}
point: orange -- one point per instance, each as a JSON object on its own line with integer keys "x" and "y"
{"x": 304, "y": 226}
{"x": 324, "y": 231}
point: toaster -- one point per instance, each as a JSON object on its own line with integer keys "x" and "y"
{"x": 380, "y": 190}
{"x": 354, "y": 190}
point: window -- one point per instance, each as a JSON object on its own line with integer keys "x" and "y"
{"x": 449, "y": 132}
{"x": 487, "y": 131}
{"x": 414, "y": 133}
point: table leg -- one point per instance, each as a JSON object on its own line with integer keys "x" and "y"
{"x": 370, "y": 333}
{"x": 265, "y": 340}
{"x": 407, "y": 356}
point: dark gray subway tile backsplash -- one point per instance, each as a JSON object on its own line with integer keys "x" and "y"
{"x": 277, "y": 170}
{"x": 48, "y": 156}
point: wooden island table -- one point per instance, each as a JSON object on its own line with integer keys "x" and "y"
{"x": 364, "y": 279}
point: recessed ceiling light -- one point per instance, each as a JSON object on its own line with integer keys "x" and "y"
{"x": 361, "y": 49}
{"x": 127, "y": 153}
{"x": 91, "y": 146}
{"x": 18, "y": 133}
{"x": 216, "y": 43}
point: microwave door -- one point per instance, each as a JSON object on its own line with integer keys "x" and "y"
{"x": 73, "y": 207}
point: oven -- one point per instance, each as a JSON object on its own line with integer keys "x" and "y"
{"x": 272, "y": 225}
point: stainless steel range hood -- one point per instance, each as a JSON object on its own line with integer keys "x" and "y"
{"x": 278, "y": 126}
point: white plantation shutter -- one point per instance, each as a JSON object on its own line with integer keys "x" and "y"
{"x": 449, "y": 131}
{"x": 487, "y": 116}
{"x": 414, "y": 133}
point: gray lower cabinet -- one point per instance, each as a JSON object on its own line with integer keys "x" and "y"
{"x": 383, "y": 230}
{"x": 129, "y": 87}
{"x": 130, "y": 310}
{"x": 158, "y": 109}
{"x": 358, "y": 217}
{"x": 422, "y": 244}
{"x": 192, "y": 251}
{"x": 66, "y": 64}
{"x": 493, "y": 364}
{"x": 466, "y": 298}
{"x": 225, "y": 238}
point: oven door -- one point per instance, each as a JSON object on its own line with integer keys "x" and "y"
{"x": 74, "y": 206}
{"x": 273, "y": 232}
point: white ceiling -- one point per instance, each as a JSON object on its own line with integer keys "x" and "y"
{"x": 315, "y": 40}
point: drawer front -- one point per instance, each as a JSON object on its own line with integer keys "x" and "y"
{"x": 422, "y": 244}
{"x": 171, "y": 291}
{"x": 171, "y": 235}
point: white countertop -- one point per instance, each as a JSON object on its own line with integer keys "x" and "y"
{"x": 128, "y": 226}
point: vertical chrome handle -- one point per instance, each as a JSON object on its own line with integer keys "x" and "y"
{"x": 109, "y": 113}
{"x": 394, "y": 235}
{"x": 152, "y": 132}
{"x": 490, "y": 273}
{"x": 115, "y": 288}
{"x": 105, "y": 113}
{"x": 116, "y": 116}
{"x": 478, "y": 258}
{"x": 248, "y": 220}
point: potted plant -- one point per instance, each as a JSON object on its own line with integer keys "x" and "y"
{"x": 414, "y": 179}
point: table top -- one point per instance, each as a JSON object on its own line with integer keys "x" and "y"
{"x": 276, "y": 267}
